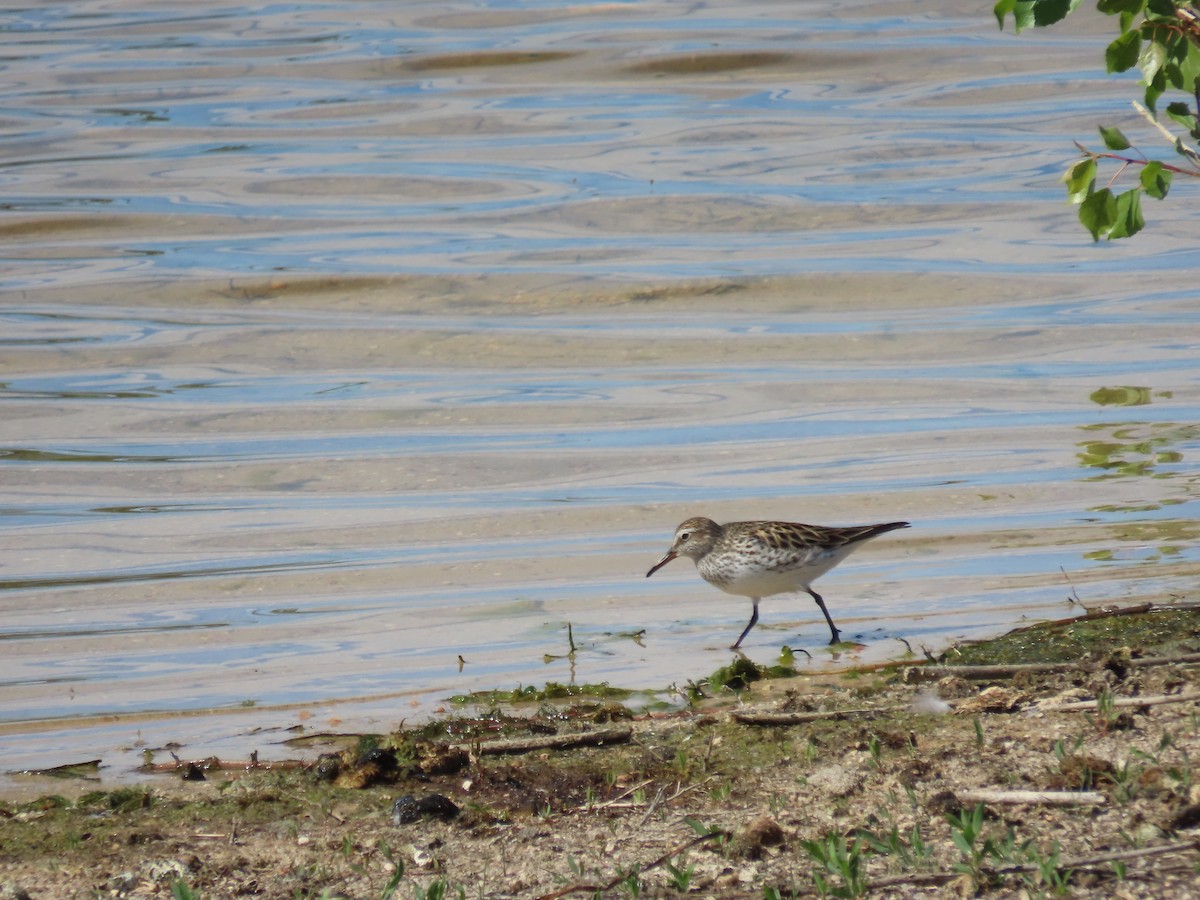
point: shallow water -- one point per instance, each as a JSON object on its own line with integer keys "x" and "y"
{"x": 341, "y": 341}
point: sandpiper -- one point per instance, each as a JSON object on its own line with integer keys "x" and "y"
{"x": 758, "y": 559}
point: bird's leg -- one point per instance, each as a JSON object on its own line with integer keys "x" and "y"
{"x": 837, "y": 635}
{"x": 746, "y": 630}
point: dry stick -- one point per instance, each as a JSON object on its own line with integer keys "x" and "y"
{"x": 1048, "y": 798}
{"x": 997, "y": 671}
{"x": 1119, "y": 855}
{"x": 692, "y": 787}
{"x": 653, "y": 806}
{"x": 1183, "y": 148}
{"x": 782, "y": 719}
{"x": 621, "y": 796}
{"x": 600, "y": 888}
{"x": 1063, "y": 865}
{"x": 1004, "y": 671}
{"x": 1148, "y": 661}
{"x": 618, "y": 735}
{"x": 1089, "y": 616}
{"x": 1154, "y": 700}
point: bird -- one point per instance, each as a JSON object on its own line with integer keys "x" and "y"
{"x": 759, "y": 559}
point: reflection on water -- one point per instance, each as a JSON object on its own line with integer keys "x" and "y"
{"x": 341, "y": 342}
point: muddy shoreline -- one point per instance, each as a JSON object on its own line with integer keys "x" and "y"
{"x": 1015, "y": 778}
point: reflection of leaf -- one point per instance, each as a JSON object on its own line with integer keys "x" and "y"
{"x": 1134, "y": 507}
{"x": 1124, "y": 395}
{"x": 1136, "y": 448}
{"x": 1175, "y": 531}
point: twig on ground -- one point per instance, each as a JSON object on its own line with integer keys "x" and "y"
{"x": 1154, "y": 700}
{"x": 1045, "y": 798}
{"x": 618, "y": 735}
{"x": 1006, "y": 671}
{"x": 621, "y": 796}
{"x": 784, "y": 719}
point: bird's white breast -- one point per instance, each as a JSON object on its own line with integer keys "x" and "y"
{"x": 775, "y": 572}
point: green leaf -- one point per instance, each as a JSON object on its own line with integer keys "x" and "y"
{"x": 1114, "y": 139}
{"x": 1180, "y": 113}
{"x": 699, "y": 827}
{"x": 1098, "y": 212}
{"x": 1112, "y": 7}
{"x": 1155, "y": 88}
{"x": 1080, "y": 179}
{"x": 1155, "y": 179}
{"x": 1189, "y": 67}
{"x": 1122, "y": 54}
{"x": 1129, "y": 215}
{"x": 1047, "y": 12}
{"x": 1161, "y": 10}
{"x": 1020, "y": 10}
{"x": 960, "y": 842}
{"x": 1151, "y": 59}
{"x": 1177, "y": 47}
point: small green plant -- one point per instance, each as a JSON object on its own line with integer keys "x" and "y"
{"x": 966, "y": 829}
{"x": 984, "y": 857}
{"x": 1049, "y": 873}
{"x": 631, "y": 884}
{"x": 875, "y": 750}
{"x": 397, "y": 864}
{"x": 682, "y": 763}
{"x": 911, "y": 852}
{"x": 437, "y": 890}
{"x": 810, "y": 753}
{"x": 979, "y": 741}
{"x": 181, "y": 891}
{"x": 1182, "y": 773}
{"x": 1060, "y": 748}
{"x": 1106, "y": 716}
{"x": 1132, "y": 840}
{"x": 574, "y": 868}
{"x": 719, "y": 835}
{"x": 1006, "y": 851}
{"x": 1125, "y": 779}
{"x": 777, "y": 803}
{"x": 835, "y": 856}
{"x": 681, "y": 878}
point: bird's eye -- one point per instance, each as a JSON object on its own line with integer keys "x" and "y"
{"x": 685, "y": 535}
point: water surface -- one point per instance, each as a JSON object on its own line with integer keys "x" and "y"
{"x": 341, "y": 341}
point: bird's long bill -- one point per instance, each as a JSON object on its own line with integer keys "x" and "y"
{"x": 662, "y": 562}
